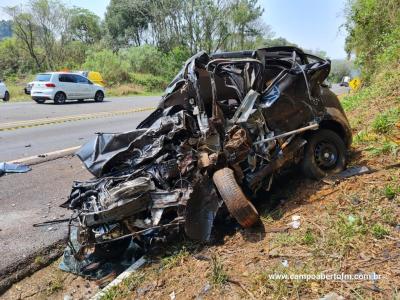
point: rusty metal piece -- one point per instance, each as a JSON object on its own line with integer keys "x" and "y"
{"x": 237, "y": 145}
{"x": 204, "y": 160}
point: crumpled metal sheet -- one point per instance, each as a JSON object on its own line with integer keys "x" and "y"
{"x": 111, "y": 152}
{"x": 201, "y": 210}
{"x": 13, "y": 168}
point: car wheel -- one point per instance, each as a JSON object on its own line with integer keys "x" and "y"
{"x": 99, "y": 97}
{"x": 6, "y": 96}
{"x": 237, "y": 203}
{"x": 60, "y": 98}
{"x": 324, "y": 154}
{"x": 81, "y": 100}
{"x": 40, "y": 101}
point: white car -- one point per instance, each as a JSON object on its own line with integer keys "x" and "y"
{"x": 4, "y": 93}
{"x": 63, "y": 86}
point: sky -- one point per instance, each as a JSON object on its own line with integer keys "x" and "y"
{"x": 311, "y": 24}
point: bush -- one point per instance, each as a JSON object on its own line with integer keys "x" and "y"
{"x": 144, "y": 59}
{"x": 149, "y": 82}
{"x": 148, "y": 59}
{"x": 112, "y": 67}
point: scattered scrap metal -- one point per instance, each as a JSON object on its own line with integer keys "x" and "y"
{"x": 227, "y": 124}
{"x": 13, "y": 168}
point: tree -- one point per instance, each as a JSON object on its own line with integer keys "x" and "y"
{"x": 42, "y": 28}
{"x": 5, "y": 29}
{"x": 26, "y": 31}
{"x": 245, "y": 14}
{"x": 126, "y": 21}
{"x": 84, "y": 26}
{"x": 373, "y": 28}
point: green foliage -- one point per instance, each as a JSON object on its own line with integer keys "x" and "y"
{"x": 84, "y": 26}
{"x": 308, "y": 238}
{"x": 13, "y": 60}
{"x": 390, "y": 191}
{"x": 175, "y": 258}
{"x": 386, "y": 147}
{"x": 218, "y": 275}
{"x": 114, "y": 69}
{"x": 379, "y": 231}
{"x": 149, "y": 82}
{"x": 124, "y": 289}
{"x": 385, "y": 122}
{"x": 126, "y": 21}
{"x": 144, "y": 59}
{"x": 373, "y": 34}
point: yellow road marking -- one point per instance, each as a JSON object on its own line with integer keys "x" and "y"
{"x": 47, "y": 121}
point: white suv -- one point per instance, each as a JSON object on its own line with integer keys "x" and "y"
{"x": 4, "y": 94}
{"x": 62, "y": 86}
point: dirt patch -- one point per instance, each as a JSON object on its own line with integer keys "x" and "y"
{"x": 52, "y": 283}
{"x": 349, "y": 228}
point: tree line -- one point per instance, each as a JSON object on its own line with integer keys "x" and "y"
{"x": 373, "y": 28}
{"x": 49, "y": 35}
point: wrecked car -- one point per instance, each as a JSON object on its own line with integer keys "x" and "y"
{"x": 226, "y": 126}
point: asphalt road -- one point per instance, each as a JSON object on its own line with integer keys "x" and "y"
{"x": 340, "y": 90}
{"x": 52, "y": 127}
{"x": 33, "y": 197}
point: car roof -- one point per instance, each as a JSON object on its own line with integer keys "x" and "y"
{"x": 58, "y": 72}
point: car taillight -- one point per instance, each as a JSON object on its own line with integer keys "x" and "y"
{"x": 50, "y": 85}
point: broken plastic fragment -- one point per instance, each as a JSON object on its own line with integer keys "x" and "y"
{"x": 295, "y": 222}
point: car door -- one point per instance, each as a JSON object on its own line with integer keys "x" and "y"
{"x": 2, "y": 89}
{"x": 67, "y": 85}
{"x": 84, "y": 87}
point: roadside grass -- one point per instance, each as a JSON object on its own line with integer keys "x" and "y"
{"x": 39, "y": 260}
{"x": 16, "y": 88}
{"x": 385, "y": 122}
{"x": 131, "y": 89}
{"x": 265, "y": 284}
{"x": 127, "y": 286}
{"x": 374, "y": 114}
{"x": 55, "y": 284}
{"x": 217, "y": 275}
{"x": 174, "y": 259}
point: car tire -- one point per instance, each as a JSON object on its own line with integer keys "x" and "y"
{"x": 237, "y": 203}
{"x": 99, "y": 97}
{"x": 40, "y": 101}
{"x": 60, "y": 98}
{"x": 6, "y": 96}
{"x": 324, "y": 154}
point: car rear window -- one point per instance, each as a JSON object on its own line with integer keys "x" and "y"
{"x": 43, "y": 77}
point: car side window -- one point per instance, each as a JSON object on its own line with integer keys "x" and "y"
{"x": 83, "y": 80}
{"x": 66, "y": 78}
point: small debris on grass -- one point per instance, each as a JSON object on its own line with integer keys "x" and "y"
{"x": 285, "y": 263}
{"x": 332, "y": 296}
{"x": 172, "y": 296}
{"x": 349, "y": 172}
{"x": 295, "y": 222}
